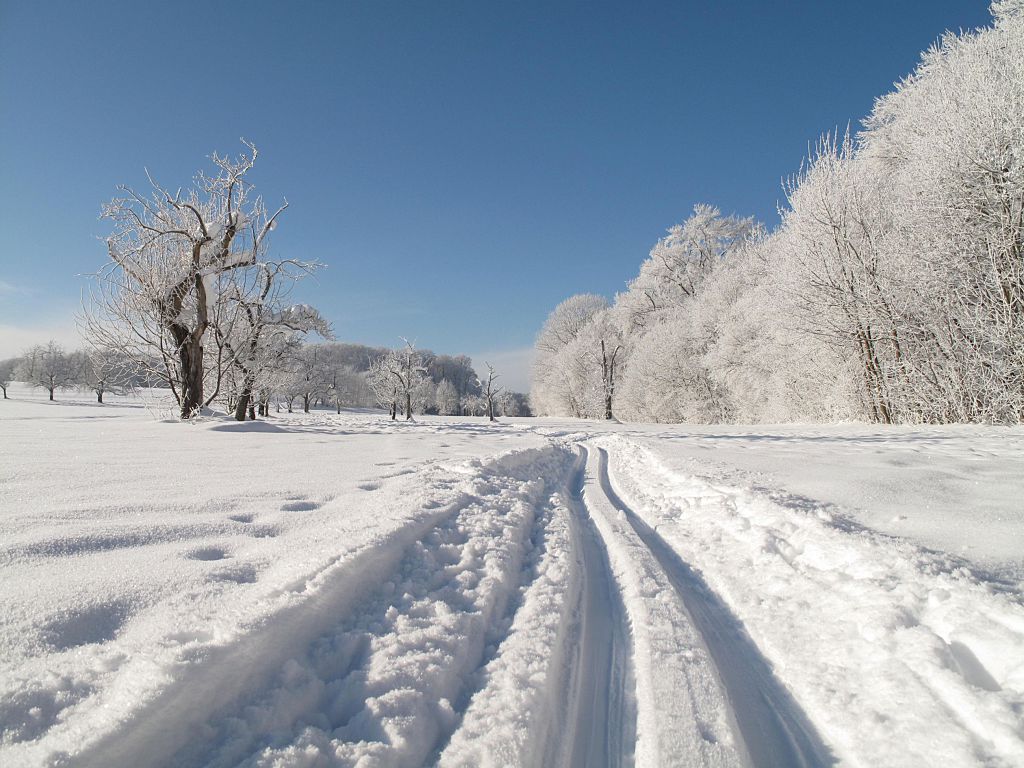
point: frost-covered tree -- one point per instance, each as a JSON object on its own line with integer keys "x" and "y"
{"x": 411, "y": 373}
{"x": 948, "y": 142}
{"x": 457, "y": 369}
{"x": 172, "y": 257}
{"x": 258, "y": 334}
{"x": 48, "y": 366}
{"x": 7, "y": 368}
{"x": 846, "y": 287}
{"x": 562, "y": 383}
{"x": 489, "y": 391}
{"x": 384, "y": 381}
{"x": 446, "y": 398}
{"x": 472, "y": 405}
{"x": 101, "y": 371}
{"x": 310, "y": 377}
{"x": 397, "y": 377}
{"x": 682, "y": 260}
{"x": 892, "y": 290}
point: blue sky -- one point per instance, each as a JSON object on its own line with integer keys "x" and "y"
{"x": 461, "y": 167}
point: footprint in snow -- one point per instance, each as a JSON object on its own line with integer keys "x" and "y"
{"x": 369, "y": 486}
{"x": 240, "y": 574}
{"x": 243, "y": 518}
{"x": 207, "y": 553}
{"x": 83, "y": 626}
{"x": 300, "y": 506}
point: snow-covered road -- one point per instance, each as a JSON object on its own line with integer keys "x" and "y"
{"x": 460, "y": 594}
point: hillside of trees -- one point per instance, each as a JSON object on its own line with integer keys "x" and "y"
{"x": 892, "y": 290}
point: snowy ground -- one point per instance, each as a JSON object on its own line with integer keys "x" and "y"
{"x": 339, "y": 590}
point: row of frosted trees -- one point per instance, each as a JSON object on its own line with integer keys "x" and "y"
{"x": 404, "y": 380}
{"x": 892, "y": 291}
{"x": 51, "y": 367}
{"x": 190, "y": 301}
{"x": 407, "y": 381}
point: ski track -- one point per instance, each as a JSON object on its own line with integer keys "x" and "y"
{"x": 682, "y": 715}
{"x": 903, "y": 658}
{"x": 527, "y": 615}
{"x": 773, "y": 728}
{"x": 603, "y": 725}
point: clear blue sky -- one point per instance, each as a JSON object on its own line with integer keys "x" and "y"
{"x": 460, "y": 166}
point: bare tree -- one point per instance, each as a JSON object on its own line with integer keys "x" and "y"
{"x": 101, "y": 371}
{"x": 259, "y": 335}
{"x": 7, "y": 368}
{"x": 172, "y": 257}
{"x": 385, "y": 382}
{"x": 48, "y": 367}
{"x": 397, "y": 377}
{"x": 489, "y": 392}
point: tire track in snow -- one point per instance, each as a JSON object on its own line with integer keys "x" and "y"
{"x": 771, "y": 725}
{"x": 602, "y": 722}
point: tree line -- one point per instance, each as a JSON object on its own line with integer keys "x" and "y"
{"x": 190, "y": 302}
{"x": 892, "y": 290}
{"x": 332, "y": 375}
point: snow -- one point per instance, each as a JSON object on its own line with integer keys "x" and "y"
{"x": 321, "y": 589}
{"x": 955, "y": 489}
{"x": 896, "y": 652}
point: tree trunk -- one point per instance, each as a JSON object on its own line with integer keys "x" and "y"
{"x": 99, "y": 396}
{"x": 608, "y": 407}
{"x": 394, "y": 410}
{"x": 252, "y": 412}
{"x": 51, "y": 392}
{"x": 408, "y": 406}
{"x": 241, "y": 407}
{"x": 305, "y": 403}
{"x": 190, "y": 356}
{"x": 245, "y": 399}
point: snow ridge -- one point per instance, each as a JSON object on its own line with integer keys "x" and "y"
{"x": 904, "y": 658}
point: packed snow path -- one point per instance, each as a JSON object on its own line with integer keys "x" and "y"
{"x": 459, "y": 594}
{"x": 603, "y": 700}
{"x": 772, "y": 727}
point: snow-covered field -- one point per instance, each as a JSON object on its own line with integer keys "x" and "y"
{"x": 324, "y": 589}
